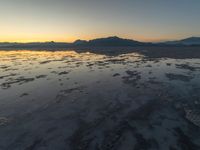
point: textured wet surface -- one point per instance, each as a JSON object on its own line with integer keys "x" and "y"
{"x": 83, "y": 101}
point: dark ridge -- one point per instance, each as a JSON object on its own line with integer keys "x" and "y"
{"x": 187, "y": 41}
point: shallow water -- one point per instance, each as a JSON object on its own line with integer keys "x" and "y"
{"x": 69, "y": 100}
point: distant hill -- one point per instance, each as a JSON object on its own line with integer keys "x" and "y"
{"x": 109, "y": 41}
{"x": 113, "y": 41}
{"x": 80, "y": 42}
{"x": 100, "y": 42}
{"x": 187, "y": 41}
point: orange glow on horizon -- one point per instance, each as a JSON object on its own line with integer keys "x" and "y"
{"x": 69, "y": 39}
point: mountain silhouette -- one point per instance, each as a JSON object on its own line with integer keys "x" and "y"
{"x": 112, "y": 41}
{"x": 109, "y": 41}
{"x": 80, "y": 42}
{"x": 187, "y": 41}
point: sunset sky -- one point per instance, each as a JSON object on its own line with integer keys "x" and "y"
{"x": 68, "y": 20}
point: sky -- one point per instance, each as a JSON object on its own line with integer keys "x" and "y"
{"x": 68, "y": 20}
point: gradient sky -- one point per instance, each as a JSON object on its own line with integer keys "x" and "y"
{"x": 67, "y": 20}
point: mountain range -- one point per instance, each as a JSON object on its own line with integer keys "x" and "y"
{"x": 110, "y": 41}
{"x": 101, "y": 42}
{"x": 187, "y": 41}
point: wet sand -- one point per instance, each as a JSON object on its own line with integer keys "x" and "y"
{"x": 70, "y": 100}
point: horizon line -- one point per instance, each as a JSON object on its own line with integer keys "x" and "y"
{"x": 62, "y": 41}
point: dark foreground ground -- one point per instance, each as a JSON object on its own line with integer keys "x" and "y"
{"x": 145, "y": 99}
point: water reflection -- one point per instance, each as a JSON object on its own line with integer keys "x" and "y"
{"x": 87, "y": 100}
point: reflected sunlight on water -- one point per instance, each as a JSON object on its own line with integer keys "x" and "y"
{"x": 79, "y": 95}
